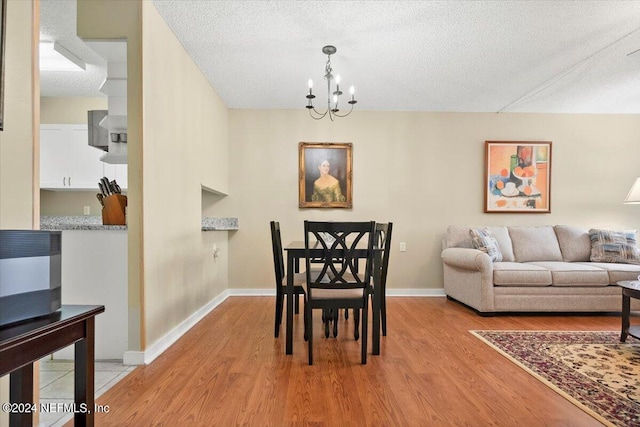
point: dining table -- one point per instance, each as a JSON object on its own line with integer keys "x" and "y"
{"x": 295, "y": 251}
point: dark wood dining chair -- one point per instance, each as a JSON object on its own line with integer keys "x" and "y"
{"x": 281, "y": 278}
{"x": 337, "y": 286}
{"x": 383, "y": 241}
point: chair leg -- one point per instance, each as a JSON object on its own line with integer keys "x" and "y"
{"x": 309, "y": 316}
{"x": 336, "y": 315}
{"x": 383, "y": 315}
{"x": 296, "y": 303}
{"x": 306, "y": 321}
{"x": 279, "y": 308}
{"x": 365, "y": 322}
{"x": 356, "y": 323}
{"x": 326, "y": 321}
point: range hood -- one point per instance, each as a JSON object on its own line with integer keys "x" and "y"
{"x": 116, "y": 126}
{"x": 108, "y": 133}
{"x": 111, "y": 131}
{"x": 114, "y": 159}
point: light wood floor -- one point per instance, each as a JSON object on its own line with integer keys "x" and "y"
{"x": 229, "y": 370}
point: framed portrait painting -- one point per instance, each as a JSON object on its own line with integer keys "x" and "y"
{"x": 517, "y": 176}
{"x": 325, "y": 175}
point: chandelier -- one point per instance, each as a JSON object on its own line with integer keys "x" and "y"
{"x": 333, "y": 97}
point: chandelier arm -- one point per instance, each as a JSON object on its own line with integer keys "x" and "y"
{"x": 319, "y": 115}
{"x": 344, "y": 115}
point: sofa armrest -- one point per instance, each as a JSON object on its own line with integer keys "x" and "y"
{"x": 468, "y": 259}
{"x": 468, "y": 278}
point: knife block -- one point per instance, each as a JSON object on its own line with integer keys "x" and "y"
{"x": 113, "y": 212}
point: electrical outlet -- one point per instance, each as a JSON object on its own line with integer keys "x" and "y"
{"x": 403, "y": 246}
{"x": 87, "y": 210}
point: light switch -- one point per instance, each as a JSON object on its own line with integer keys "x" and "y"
{"x": 403, "y": 246}
{"x": 87, "y": 210}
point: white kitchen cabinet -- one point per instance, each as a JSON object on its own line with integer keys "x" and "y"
{"x": 117, "y": 172}
{"x": 67, "y": 162}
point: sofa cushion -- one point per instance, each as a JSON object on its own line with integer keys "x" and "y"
{"x": 574, "y": 274}
{"x": 504, "y": 242}
{"x": 484, "y": 241}
{"x": 614, "y": 246}
{"x": 617, "y": 271}
{"x": 535, "y": 244}
{"x": 575, "y": 244}
{"x": 458, "y": 237}
{"x": 520, "y": 274}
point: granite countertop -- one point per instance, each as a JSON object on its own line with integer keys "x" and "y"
{"x": 219, "y": 224}
{"x": 95, "y": 223}
{"x": 76, "y": 223}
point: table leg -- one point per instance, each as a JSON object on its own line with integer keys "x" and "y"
{"x": 626, "y": 311}
{"x": 84, "y": 393}
{"x": 375, "y": 331}
{"x": 290, "y": 267}
{"x": 21, "y": 391}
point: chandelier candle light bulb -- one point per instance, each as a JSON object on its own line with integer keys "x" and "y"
{"x": 310, "y": 96}
{"x": 332, "y": 112}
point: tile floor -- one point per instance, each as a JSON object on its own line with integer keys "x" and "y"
{"x": 56, "y": 385}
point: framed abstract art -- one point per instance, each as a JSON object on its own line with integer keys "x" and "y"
{"x": 517, "y": 176}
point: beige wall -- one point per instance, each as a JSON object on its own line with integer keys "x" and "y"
{"x": 185, "y": 134}
{"x": 69, "y": 110}
{"x": 17, "y": 153}
{"x": 423, "y": 171}
{"x": 18, "y": 145}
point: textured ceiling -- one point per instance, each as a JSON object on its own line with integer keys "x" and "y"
{"x": 58, "y": 23}
{"x": 471, "y": 56}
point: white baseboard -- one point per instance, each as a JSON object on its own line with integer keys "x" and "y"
{"x": 439, "y": 292}
{"x": 263, "y": 292}
{"x": 157, "y": 348}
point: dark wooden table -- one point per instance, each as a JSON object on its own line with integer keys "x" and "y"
{"x": 23, "y": 343}
{"x": 630, "y": 289}
{"x": 295, "y": 252}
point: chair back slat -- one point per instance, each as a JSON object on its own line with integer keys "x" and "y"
{"x": 344, "y": 241}
{"x": 383, "y": 241}
{"x": 278, "y": 258}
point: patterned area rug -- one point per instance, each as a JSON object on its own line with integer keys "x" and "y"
{"x": 593, "y": 370}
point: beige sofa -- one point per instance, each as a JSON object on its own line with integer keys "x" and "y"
{"x": 544, "y": 269}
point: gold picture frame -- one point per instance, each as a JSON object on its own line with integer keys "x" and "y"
{"x": 325, "y": 175}
{"x": 517, "y": 177}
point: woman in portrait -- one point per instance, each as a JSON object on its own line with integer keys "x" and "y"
{"x": 326, "y": 188}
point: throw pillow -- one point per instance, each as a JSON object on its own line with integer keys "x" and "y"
{"x": 485, "y": 241}
{"x": 614, "y": 246}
